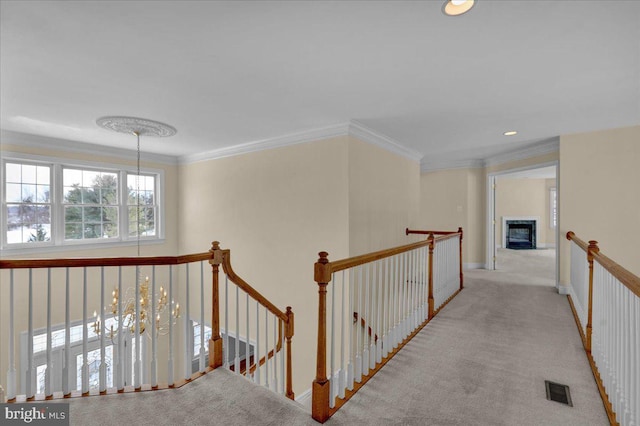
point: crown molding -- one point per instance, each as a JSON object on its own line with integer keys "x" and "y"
{"x": 8, "y": 137}
{"x": 365, "y": 134}
{"x": 432, "y": 166}
{"x": 537, "y": 149}
{"x": 543, "y": 147}
{"x": 264, "y": 144}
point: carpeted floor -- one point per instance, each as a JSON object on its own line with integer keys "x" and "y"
{"x": 482, "y": 361}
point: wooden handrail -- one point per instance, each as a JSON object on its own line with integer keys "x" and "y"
{"x": 343, "y": 264}
{"x": 102, "y": 261}
{"x": 408, "y": 231}
{"x": 225, "y": 260}
{"x": 626, "y": 277}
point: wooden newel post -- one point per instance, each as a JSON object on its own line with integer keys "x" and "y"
{"x": 215, "y": 342}
{"x": 461, "y": 274}
{"x": 288, "y": 336}
{"x": 591, "y": 251}
{"x": 320, "y": 389}
{"x": 431, "y": 240}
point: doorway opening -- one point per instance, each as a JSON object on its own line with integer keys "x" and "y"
{"x": 522, "y": 228}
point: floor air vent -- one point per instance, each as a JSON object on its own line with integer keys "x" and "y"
{"x": 559, "y": 393}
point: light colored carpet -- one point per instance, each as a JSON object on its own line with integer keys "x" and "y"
{"x": 530, "y": 267}
{"x": 482, "y": 361}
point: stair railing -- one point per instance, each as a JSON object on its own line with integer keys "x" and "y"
{"x": 375, "y": 304}
{"x": 605, "y": 300}
{"x": 149, "y": 322}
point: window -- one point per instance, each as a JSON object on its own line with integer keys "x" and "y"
{"x": 90, "y": 204}
{"x": 28, "y": 203}
{"x": 48, "y": 203}
{"x": 553, "y": 208}
{"x": 76, "y": 357}
{"x": 141, "y": 190}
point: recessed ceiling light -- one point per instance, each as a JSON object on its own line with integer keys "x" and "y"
{"x": 457, "y": 7}
{"x": 510, "y": 133}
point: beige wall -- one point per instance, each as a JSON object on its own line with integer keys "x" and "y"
{"x": 453, "y": 198}
{"x": 600, "y": 193}
{"x": 277, "y": 209}
{"x": 524, "y": 197}
{"x": 384, "y": 191}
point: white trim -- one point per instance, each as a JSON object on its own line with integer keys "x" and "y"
{"x": 366, "y": 134}
{"x": 540, "y": 148}
{"x": 352, "y": 128}
{"x": 270, "y": 143}
{"x": 36, "y": 141}
{"x": 566, "y": 290}
{"x": 470, "y": 266}
{"x": 304, "y": 398}
{"x": 432, "y": 166}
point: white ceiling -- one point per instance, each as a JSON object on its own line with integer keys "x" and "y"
{"x": 229, "y": 73}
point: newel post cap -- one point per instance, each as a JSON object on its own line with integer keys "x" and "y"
{"x": 216, "y": 253}
{"x": 322, "y": 269}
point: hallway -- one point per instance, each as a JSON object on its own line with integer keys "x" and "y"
{"x": 483, "y": 361}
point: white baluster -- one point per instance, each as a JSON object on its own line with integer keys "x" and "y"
{"x": 137, "y": 368}
{"x": 203, "y": 361}
{"x": 358, "y": 366}
{"x": 247, "y": 346}
{"x": 103, "y": 365}
{"x": 266, "y": 347}
{"x": 282, "y": 350}
{"x": 332, "y": 394}
{"x": 342, "y": 381}
{"x": 85, "y": 336}
{"x": 379, "y": 317}
{"x": 275, "y": 346}
{"x": 155, "y": 323}
{"x": 66, "y": 390}
{"x": 11, "y": 373}
{"x": 363, "y": 323}
{"x": 236, "y": 360}
{"x": 256, "y": 374}
{"x": 47, "y": 374}
{"x": 172, "y": 312}
{"x": 226, "y": 322}
{"x": 349, "y": 319}
{"x": 121, "y": 349}
{"x": 188, "y": 329}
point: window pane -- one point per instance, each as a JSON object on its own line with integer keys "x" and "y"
{"x": 92, "y": 230}
{"x": 28, "y": 193}
{"x": 73, "y": 214}
{"x": 72, "y": 177}
{"x": 13, "y": 172}
{"x": 90, "y": 177}
{"x": 92, "y": 214}
{"x": 37, "y": 232}
{"x": 73, "y": 231}
{"x": 42, "y": 194}
{"x": 43, "y": 175}
{"x": 28, "y": 173}
{"x": 14, "y": 193}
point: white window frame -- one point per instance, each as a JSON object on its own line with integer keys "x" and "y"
{"x": 57, "y": 241}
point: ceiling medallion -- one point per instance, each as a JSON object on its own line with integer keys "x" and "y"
{"x": 135, "y": 125}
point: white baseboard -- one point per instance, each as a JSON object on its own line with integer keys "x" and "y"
{"x": 305, "y": 398}
{"x": 564, "y": 290}
{"x": 468, "y": 266}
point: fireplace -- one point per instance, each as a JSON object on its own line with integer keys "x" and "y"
{"x": 520, "y": 234}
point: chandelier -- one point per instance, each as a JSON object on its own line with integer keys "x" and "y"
{"x": 125, "y": 321}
